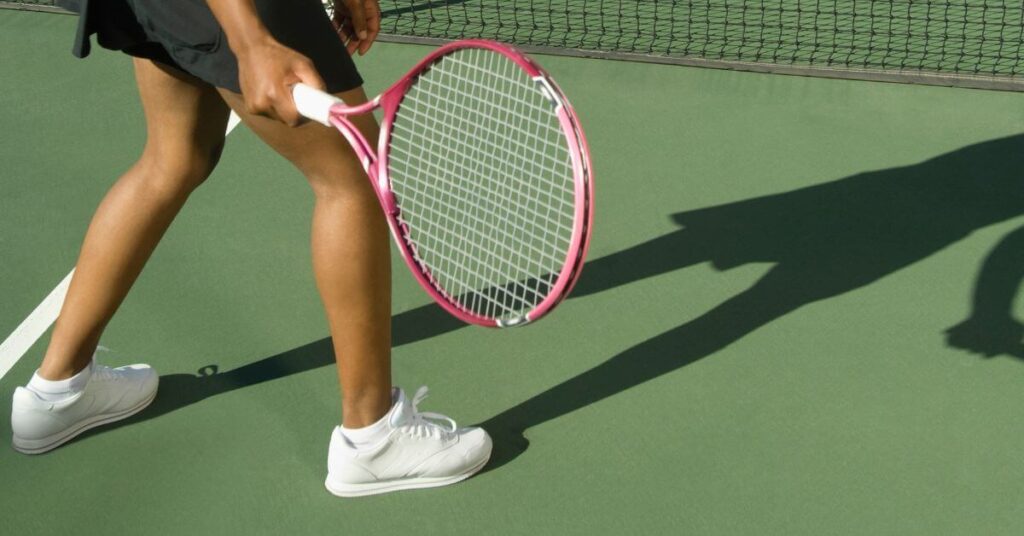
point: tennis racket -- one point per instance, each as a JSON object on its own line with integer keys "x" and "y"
{"x": 485, "y": 178}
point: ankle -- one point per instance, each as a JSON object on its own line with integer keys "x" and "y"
{"x": 58, "y": 371}
{"x": 54, "y": 390}
{"x": 366, "y": 409}
{"x": 63, "y": 361}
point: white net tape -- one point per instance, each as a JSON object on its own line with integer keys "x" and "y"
{"x": 482, "y": 173}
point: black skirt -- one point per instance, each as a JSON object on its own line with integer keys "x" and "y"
{"x": 184, "y": 34}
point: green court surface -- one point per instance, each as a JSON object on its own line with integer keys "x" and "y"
{"x": 758, "y": 344}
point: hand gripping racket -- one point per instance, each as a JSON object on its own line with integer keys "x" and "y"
{"x": 485, "y": 178}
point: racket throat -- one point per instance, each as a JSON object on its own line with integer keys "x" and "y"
{"x": 365, "y": 153}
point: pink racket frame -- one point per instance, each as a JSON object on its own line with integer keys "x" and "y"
{"x": 333, "y": 112}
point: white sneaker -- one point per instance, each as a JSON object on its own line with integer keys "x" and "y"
{"x": 417, "y": 453}
{"x": 112, "y": 394}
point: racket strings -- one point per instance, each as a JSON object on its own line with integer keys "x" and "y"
{"x": 469, "y": 269}
{"x": 526, "y": 287}
{"x": 484, "y": 181}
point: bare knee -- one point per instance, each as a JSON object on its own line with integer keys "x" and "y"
{"x": 350, "y": 186}
{"x": 178, "y": 172}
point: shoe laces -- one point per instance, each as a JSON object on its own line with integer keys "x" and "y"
{"x": 103, "y": 372}
{"x": 428, "y": 424}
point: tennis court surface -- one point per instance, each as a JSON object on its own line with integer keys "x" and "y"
{"x": 784, "y": 326}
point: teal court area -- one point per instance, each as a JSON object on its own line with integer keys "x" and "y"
{"x": 779, "y": 329}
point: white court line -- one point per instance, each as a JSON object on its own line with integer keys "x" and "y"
{"x": 45, "y": 314}
{"x": 232, "y": 123}
{"x": 33, "y": 327}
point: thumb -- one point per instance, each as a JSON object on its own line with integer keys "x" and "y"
{"x": 307, "y": 74}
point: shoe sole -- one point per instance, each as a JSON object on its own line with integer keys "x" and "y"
{"x": 376, "y": 488}
{"x": 39, "y": 446}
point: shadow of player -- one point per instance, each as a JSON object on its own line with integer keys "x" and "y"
{"x": 823, "y": 241}
{"x": 991, "y": 329}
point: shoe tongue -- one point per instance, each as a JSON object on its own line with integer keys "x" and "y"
{"x": 401, "y": 412}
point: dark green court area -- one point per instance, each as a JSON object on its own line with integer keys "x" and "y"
{"x": 801, "y": 315}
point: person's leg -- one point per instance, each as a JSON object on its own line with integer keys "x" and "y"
{"x": 351, "y": 259}
{"x": 185, "y": 123}
{"x": 385, "y": 444}
{"x": 185, "y": 132}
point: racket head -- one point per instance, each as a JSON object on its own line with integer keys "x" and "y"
{"x": 520, "y": 269}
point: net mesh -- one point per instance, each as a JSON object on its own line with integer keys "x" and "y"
{"x": 976, "y": 37}
{"x": 482, "y": 173}
{"x": 956, "y": 39}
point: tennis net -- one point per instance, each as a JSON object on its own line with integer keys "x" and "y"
{"x": 974, "y": 43}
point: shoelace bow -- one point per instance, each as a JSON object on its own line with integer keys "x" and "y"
{"x": 425, "y": 423}
{"x": 103, "y": 372}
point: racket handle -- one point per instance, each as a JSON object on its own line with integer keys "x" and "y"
{"x": 313, "y": 103}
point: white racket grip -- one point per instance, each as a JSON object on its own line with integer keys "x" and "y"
{"x": 313, "y": 103}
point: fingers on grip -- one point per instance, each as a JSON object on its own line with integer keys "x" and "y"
{"x": 313, "y": 103}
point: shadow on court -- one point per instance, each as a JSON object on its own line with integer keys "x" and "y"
{"x": 823, "y": 240}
